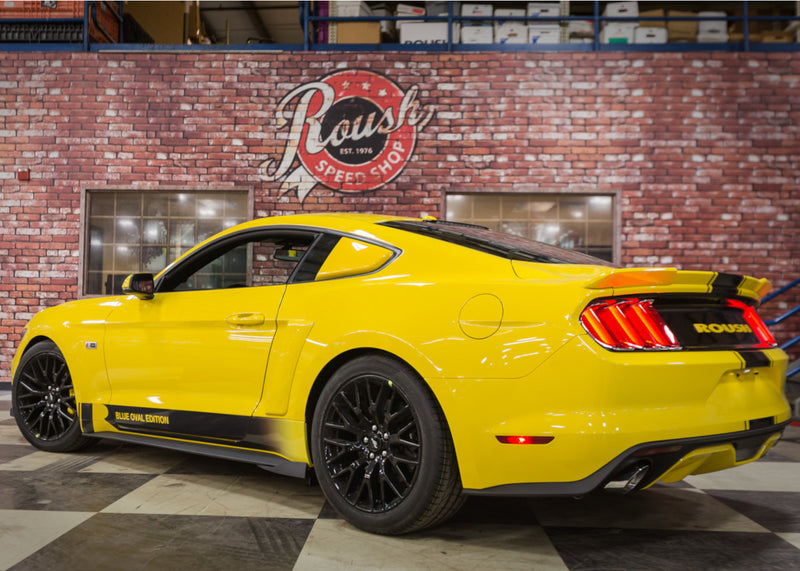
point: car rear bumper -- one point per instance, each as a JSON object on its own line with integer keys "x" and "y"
{"x": 586, "y": 409}
{"x": 668, "y": 461}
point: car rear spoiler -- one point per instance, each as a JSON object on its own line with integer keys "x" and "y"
{"x": 672, "y": 279}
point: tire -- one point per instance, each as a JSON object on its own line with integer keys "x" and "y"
{"x": 43, "y": 401}
{"x": 383, "y": 454}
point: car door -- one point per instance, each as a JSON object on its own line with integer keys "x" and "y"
{"x": 192, "y": 359}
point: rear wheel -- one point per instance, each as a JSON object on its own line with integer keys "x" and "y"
{"x": 383, "y": 454}
{"x": 43, "y": 401}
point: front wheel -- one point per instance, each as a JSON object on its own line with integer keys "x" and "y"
{"x": 43, "y": 401}
{"x": 383, "y": 454}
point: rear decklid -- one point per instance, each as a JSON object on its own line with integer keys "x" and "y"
{"x": 667, "y": 309}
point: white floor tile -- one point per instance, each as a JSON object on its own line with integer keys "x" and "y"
{"x": 178, "y": 494}
{"x": 33, "y": 461}
{"x": 660, "y": 508}
{"x": 334, "y": 544}
{"x": 10, "y": 434}
{"x": 23, "y": 532}
{"x": 756, "y": 476}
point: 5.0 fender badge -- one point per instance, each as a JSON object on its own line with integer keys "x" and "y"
{"x": 90, "y": 345}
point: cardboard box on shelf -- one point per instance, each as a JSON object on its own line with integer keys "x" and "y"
{"x": 737, "y": 37}
{"x": 354, "y": 33}
{"x": 777, "y": 37}
{"x": 510, "y": 33}
{"x": 409, "y": 10}
{"x": 621, "y": 9}
{"x": 438, "y": 9}
{"x": 544, "y": 34}
{"x": 716, "y": 27}
{"x": 544, "y": 9}
{"x": 652, "y": 23}
{"x": 682, "y": 30}
{"x": 509, "y": 12}
{"x": 583, "y": 29}
{"x": 712, "y": 38}
{"x": 477, "y": 35}
{"x": 388, "y": 33}
{"x": 477, "y": 10}
{"x": 426, "y": 33}
{"x": 341, "y": 9}
{"x": 650, "y": 35}
{"x": 618, "y": 33}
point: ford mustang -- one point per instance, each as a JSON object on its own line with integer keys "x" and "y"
{"x": 408, "y": 363}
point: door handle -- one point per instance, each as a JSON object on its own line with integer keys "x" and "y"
{"x": 245, "y": 319}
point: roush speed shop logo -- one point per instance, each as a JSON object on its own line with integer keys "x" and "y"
{"x": 352, "y": 131}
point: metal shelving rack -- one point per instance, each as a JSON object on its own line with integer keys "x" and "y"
{"x": 309, "y": 21}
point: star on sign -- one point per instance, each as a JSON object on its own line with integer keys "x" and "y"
{"x": 346, "y": 84}
{"x": 382, "y": 93}
{"x": 366, "y": 86}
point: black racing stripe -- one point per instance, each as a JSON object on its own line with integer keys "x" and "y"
{"x": 753, "y": 359}
{"x": 87, "y": 425}
{"x": 726, "y": 284}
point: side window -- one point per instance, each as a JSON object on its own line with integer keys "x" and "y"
{"x": 254, "y": 260}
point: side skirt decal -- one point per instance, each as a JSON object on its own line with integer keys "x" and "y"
{"x": 207, "y": 427}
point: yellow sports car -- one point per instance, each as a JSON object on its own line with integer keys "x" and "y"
{"x": 412, "y": 362}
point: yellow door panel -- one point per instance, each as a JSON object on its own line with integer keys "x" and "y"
{"x": 194, "y": 350}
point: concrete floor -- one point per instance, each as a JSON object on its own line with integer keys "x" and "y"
{"x": 130, "y": 507}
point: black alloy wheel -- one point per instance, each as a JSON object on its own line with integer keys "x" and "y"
{"x": 43, "y": 400}
{"x": 382, "y": 452}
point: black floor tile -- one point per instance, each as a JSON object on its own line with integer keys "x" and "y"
{"x": 584, "y": 549}
{"x": 64, "y": 491}
{"x": 133, "y": 541}
{"x": 515, "y": 511}
{"x": 777, "y": 511}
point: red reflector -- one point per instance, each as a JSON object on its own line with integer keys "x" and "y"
{"x": 525, "y": 439}
{"x": 628, "y": 323}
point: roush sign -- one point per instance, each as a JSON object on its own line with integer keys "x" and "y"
{"x": 352, "y": 131}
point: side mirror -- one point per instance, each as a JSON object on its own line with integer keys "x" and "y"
{"x": 140, "y": 285}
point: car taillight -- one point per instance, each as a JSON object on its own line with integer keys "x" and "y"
{"x": 755, "y": 322}
{"x": 628, "y": 323}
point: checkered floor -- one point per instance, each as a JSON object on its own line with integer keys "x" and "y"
{"x": 129, "y": 507}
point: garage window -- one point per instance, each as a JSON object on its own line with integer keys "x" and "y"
{"x": 145, "y": 231}
{"x": 581, "y": 222}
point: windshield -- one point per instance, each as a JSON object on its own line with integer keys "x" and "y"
{"x": 496, "y": 243}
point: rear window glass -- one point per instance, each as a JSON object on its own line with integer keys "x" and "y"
{"x": 496, "y": 243}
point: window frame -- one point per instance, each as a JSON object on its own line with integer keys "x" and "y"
{"x": 198, "y": 259}
{"x": 616, "y": 209}
{"x": 83, "y": 241}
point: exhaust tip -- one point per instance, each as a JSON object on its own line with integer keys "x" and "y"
{"x": 628, "y": 480}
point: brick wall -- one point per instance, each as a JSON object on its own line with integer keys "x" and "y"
{"x": 703, "y": 148}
